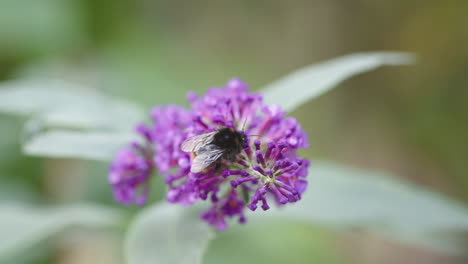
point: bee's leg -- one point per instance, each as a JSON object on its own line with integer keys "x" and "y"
{"x": 218, "y": 165}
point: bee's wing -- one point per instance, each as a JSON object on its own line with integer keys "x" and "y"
{"x": 206, "y": 156}
{"x": 193, "y": 144}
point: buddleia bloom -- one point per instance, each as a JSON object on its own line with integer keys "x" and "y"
{"x": 267, "y": 170}
{"x": 130, "y": 172}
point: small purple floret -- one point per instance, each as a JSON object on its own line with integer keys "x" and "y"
{"x": 129, "y": 174}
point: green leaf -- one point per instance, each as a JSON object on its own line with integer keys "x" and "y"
{"x": 167, "y": 234}
{"x": 300, "y": 86}
{"x": 58, "y": 103}
{"x": 343, "y": 197}
{"x": 74, "y": 144}
{"x": 103, "y": 122}
{"x": 22, "y": 226}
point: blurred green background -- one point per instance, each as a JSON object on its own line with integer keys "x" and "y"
{"x": 410, "y": 120}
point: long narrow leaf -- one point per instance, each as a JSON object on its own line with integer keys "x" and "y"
{"x": 307, "y": 83}
{"x": 65, "y": 104}
{"x": 343, "y": 197}
{"x": 75, "y": 144}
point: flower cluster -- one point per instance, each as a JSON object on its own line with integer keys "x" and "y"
{"x": 129, "y": 174}
{"x": 267, "y": 169}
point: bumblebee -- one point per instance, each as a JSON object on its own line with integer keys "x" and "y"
{"x": 225, "y": 143}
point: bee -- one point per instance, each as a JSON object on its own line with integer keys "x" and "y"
{"x": 225, "y": 143}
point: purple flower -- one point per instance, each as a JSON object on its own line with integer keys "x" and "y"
{"x": 229, "y": 106}
{"x": 129, "y": 174}
{"x": 267, "y": 169}
{"x": 229, "y": 206}
{"x": 169, "y": 131}
{"x": 277, "y": 171}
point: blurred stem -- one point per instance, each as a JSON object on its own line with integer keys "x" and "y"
{"x": 64, "y": 179}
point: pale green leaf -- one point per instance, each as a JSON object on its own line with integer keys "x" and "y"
{"x": 100, "y": 124}
{"x": 307, "y": 83}
{"x": 59, "y": 103}
{"x": 343, "y": 197}
{"x": 22, "y": 226}
{"x": 167, "y": 234}
{"x": 98, "y": 145}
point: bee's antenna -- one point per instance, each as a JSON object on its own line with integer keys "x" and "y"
{"x": 243, "y": 125}
{"x": 254, "y": 135}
